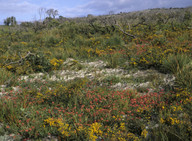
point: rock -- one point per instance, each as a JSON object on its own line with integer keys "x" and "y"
{"x": 50, "y": 138}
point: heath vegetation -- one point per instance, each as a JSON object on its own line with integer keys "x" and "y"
{"x": 120, "y": 88}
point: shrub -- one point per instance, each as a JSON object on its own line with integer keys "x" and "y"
{"x": 184, "y": 77}
{"x": 180, "y": 65}
{"x": 5, "y": 76}
{"x": 30, "y": 64}
{"x": 175, "y": 63}
{"x": 56, "y": 63}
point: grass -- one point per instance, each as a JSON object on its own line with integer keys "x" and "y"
{"x": 180, "y": 65}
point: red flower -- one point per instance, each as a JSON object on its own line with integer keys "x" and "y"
{"x": 79, "y": 115}
{"x": 95, "y": 99}
{"x": 28, "y": 120}
{"x": 91, "y": 107}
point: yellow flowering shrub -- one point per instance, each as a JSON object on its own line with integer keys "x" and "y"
{"x": 94, "y": 131}
{"x": 144, "y": 133}
{"x": 64, "y": 128}
{"x": 173, "y": 121}
{"x": 56, "y": 63}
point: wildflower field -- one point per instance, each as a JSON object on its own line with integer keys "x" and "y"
{"x": 102, "y": 95}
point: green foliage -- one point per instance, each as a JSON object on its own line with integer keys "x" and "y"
{"x": 26, "y": 24}
{"x": 180, "y": 65}
{"x": 184, "y": 77}
{"x": 62, "y": 93}
{"x": 5, "y": 76}
{"x": 39, "y": 63}
{"x": 112, "y": 79}
{"x": 114, "y": 60}
{"x": 114, "y": 41}
{"x": 10, "y": 20}
{"x": 175, "y": 63}
{"x": 51, "y": 41}
{"x": 29, "y": 64}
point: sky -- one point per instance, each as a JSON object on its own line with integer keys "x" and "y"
{"x": 27, "y": 10}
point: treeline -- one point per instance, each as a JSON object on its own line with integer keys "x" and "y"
{"x": 155, "y": 16}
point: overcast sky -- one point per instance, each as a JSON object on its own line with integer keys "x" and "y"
{"x": 27, "y": 10}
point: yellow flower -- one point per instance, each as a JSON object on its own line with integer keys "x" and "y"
{"x": 56, "y": 63}
{"x": 174, "y": 108}
{"x": 134, "y": 63}
{"x": 144, "y": 133}
{"x": 50, "y": 121}
{"x": 132, "y": 136}
{"x": 40, "y": 95}
{"x": 162, "y": 120}
{"x": 122, "y": 126}
{"x": 177, "y": 121}
{"x": 24, "y": 43}
{"x": 64, "y": 129}
{"x": 121, "y": 139}
{"x": 80, "y": 128}
{"x": 94, "y": 131}
{"x": 174, "y": 121}
{"x": 9, "y": 67}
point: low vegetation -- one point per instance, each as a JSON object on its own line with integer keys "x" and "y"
{"x": 114, "y": 77}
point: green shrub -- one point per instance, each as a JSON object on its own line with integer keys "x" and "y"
{"x": 29, "y": 64}
{"x": 51, "y": 41}
{"x": 184, "y": 77}
{"x": 115, "y": 60}
{"x": 180, "y": 65}
{"x": 175, "y": 63}
{"x": 114, "y": 41}
{"x": 5, "y": 76}
{"x": 64, "y": 93}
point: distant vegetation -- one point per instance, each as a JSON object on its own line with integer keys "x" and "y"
{"x": 10, "y": 21}
{"x": 159, "y": 39}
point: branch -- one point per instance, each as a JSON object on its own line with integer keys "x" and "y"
{"x": 22, "y": 58}
{"x": 5, "y": 61}
{"x": 125, "y": 32}
{"x": 142, "y": 22}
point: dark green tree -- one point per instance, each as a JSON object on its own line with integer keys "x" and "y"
{"x": 10, "y": 21}
{"x": 7, "y": 21}
{"x": 52, "y": 13}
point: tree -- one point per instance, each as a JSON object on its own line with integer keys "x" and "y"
{"x": 41, "y": 12}
{"x": 10, "y": 20}
{"x": 7, "y": 21}
{"x": 37, "y": 26}
{"x": 52, "y": 13}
